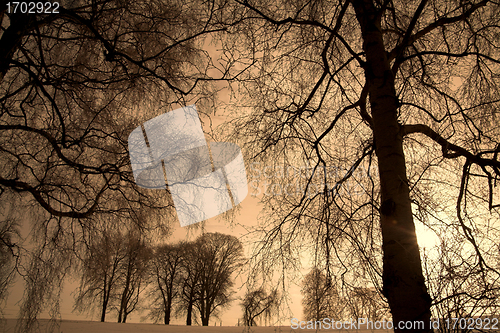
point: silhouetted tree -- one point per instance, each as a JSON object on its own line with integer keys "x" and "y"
{"x": 73, "y": 85}
{"x": 114, "y": 273}
{"x": 363, "y": 302}
{"x": 371, "y": 106}
{"x": 321, "y": 298}
{"x": 191, "y": 268}
{"x": 166, "y": 280}
{"x": 259, "y": 304}
{"x": 220, "y": 257}
{"x": 101, "y": 272}
{"x": 134, "y": 273}
{"x": 207, "y": 269}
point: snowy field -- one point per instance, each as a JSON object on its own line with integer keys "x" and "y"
{"x": 68, "y": 326}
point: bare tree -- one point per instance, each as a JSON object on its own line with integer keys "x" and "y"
{"x": 207, "y": 269}
{"x": 73, "y": 85}
{"x": 191, "y": 267}
{"x": 99, "y": 285}
{"x": 134, "y": 271}
{"x": 321, "y": 298}
{"x": 220, "y": 257}
{"x": 258, "y": 304}
{"x": 363, "y": 302}
{"x": 166, "y": 280}
{"x": 393, "y": 98}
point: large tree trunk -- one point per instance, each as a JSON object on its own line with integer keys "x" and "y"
{"x": 168, "y": 309}
{"x": 124, "y": 301}
{"x": 103, "y": 314}
{"x": 103, "y": 310}
{"x": 120, "y": 312}
{"x": 104, "y": 301}
{"x": 204, "y": 308}
{"x": 189, "y": 314}
{"x": 403, "y": 280}
{"x": 206, "y": 317}
{"x": 166, "y": 318}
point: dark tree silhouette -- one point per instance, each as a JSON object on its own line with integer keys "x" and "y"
{"x": 134, "y": 273}
{"x": 101, "y": 273}
{"x": 73, "y": 85}
{"x": 114, "y": 273}
{"x": 207, "y": 269}
{"x": 392, "y": 99}
{"x": 191, "y": 267}
{"x": 321, "y": 298}
{"x": 363, "y": 302}
{"x": 166, "y": 280}
{"x": 220, "y": 257}
{"x": 258, "y": 304}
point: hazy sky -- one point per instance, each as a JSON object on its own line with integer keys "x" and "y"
{"x": 247, "y": 217}
{"x": 250, "y": 209}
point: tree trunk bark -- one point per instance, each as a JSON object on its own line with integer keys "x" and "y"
{"x": 124, "y": 302}
{"x": 204, "y": 309}
{"x": 103, "y": 313}
{"x": 403, "y": 281}
{"x": 168, "y": 309}
{"x": 104, "y": 301}
{"x": 189, "y": 314}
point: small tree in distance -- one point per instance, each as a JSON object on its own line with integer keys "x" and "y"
{"x": 166, "y": 280}
{"x": 320, "y": 296}
{"x": 221, "y": 257}
{"x": 195, "y": 277}
{"x": 101, "y": 271}
{"x": 363, "y": 302}
{"x": 258, "y": 304}
{"x": 191, "y": 271}
{"x": 113, "y": 273}
{"x": 134, "y": 271}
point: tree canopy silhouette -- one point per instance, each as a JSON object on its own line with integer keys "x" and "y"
{"x": 320, "y": 297}
{"x": 73, "y": 85}
{"x": 258, "y": 304}
{"x": 372, "y": 115}
{"x": 366, "y": 117}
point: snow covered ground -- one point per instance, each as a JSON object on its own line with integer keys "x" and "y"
{"x": 69, "y": 326}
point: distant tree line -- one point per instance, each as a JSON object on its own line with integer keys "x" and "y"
{"x": 322, "y": 298}
{"x": 188, "y": 278}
